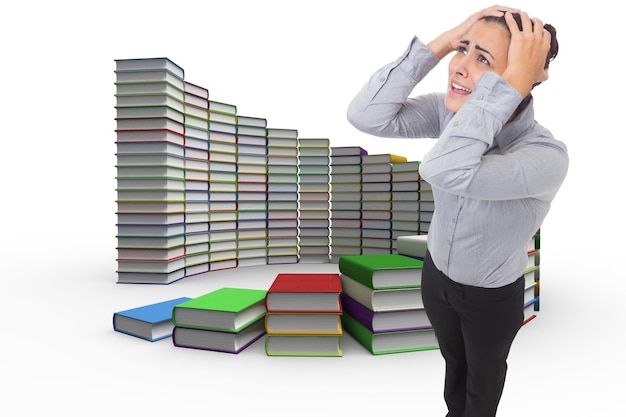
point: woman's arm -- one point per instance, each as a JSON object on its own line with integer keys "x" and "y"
{"x": 382, "y": 106}
{"x": 458, "y": 164}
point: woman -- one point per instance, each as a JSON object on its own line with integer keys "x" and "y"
{"x": 494, "y": 172}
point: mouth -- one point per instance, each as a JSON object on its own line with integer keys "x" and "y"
{"x": 459, "y": 89}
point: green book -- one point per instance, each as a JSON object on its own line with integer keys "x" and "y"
{"x": 380, "y": 271}
{"x": 226, "y": 309}
{"x": 389, "y": 342}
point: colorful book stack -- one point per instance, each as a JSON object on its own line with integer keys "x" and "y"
{"x": 377, "y": 198}
{"x": 225, "y": 320}
{"x": 314, "y": 200}
{"x": 150, "y": 322}
{"x": 150, "y": 171}
{"x": 251, "y": 191}
{"x": 304, "y": 315}
{"x": 196, "y": 179}
{"x": 222, "y": 185}
{"x": 345, "y": 201}
{"x": 404, "y": 200}
{"x": 282, "y": 196}
{"x": 382, "y": 303}
{"x": 427, "y": 205}
{"x": 532, "y": 279}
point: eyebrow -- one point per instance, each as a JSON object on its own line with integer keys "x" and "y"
{"x": 466, "y": 43}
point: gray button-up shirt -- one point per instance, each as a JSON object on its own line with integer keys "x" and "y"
{"x": 492, "y": 181}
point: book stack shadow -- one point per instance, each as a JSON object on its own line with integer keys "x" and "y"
{"x": 304, "y": 315}
{"x": 382, "y": 303}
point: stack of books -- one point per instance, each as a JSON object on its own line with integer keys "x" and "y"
{"x": 196, "y": 179}
{"x": 376, "y": 196}
{"x": 251, "y": 191}
{"x": 304, "y": 315}
{"x": 405, "y": 184}
{"x": 345, "y": 201}
{"x": 150, "y": 171}
{"x": 222, "y": 185}
{"x": 532, "y": 279}
{"x": 426, "y": 204}
{"x": 382, "y": 303}
{"x": 314, "y": 200}
{"x": 282, "y": 196}
{"x": 225, "y": 320}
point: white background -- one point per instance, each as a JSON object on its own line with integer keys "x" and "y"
{"x": 297, "y": 64}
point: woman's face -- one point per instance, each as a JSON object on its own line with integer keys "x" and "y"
{"x": 484, "y": 48}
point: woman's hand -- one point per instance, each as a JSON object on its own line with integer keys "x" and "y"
{"x": 527, "y": 53}
{"x": 449, "y": 40}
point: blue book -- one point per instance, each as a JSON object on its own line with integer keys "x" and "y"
{"x": 151, "y": 322}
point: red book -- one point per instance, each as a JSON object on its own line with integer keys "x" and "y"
{"x": 305, "y": 292}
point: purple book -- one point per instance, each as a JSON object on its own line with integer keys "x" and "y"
{"x": 219, "y": 341}
{"x": 385, "y": 321}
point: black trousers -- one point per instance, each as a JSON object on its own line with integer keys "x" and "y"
{"x": 475, "y": 328}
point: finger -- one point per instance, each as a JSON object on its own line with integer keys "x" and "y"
{"x": 527, "y": 24}
{"x": 546, "y": 38}
{"x": 538, "y": 25}
{"x": 510, "y": 21}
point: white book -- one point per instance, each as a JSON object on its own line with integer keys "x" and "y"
{"x": 158, "y": 87}
{"x": 150, "y": 100}
{"x": 139, "y": 64}
{"x": 149, "y": 75}
{"x": 414, "y": 246}
{"x": 383, "y": 299}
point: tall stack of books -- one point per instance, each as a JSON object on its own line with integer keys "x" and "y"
{"x": 427, "y": 205}
{"x": 150, "y": 171}
{"x": 345, "y": 201}
{"x": 282, "y": 196}
{"x": 304, "y": 315}
{"x": 382, "y": 303}
{"x": 376, "y": 195}
{"x": 225, "y": 320}
{"x": 196, "y": 179}
{"x": 251, "y": 191}
{"x": 222, "y": 185}
{"x": 404, "y": 200}
{"x": 314, "y": 200}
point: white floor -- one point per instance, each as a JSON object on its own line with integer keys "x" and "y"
{"x": 60, "y": 343}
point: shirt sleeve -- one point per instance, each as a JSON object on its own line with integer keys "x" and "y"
{"x": 382, "y": 106}
{"x": 460, "y": 164}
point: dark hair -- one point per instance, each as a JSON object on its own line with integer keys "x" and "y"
{"x": 552, "y": 53}
{"x": 554, "y": 43}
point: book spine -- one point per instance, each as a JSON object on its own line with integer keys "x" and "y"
{"x": 360, "y": 333}
{"x": 358, "y": 311}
